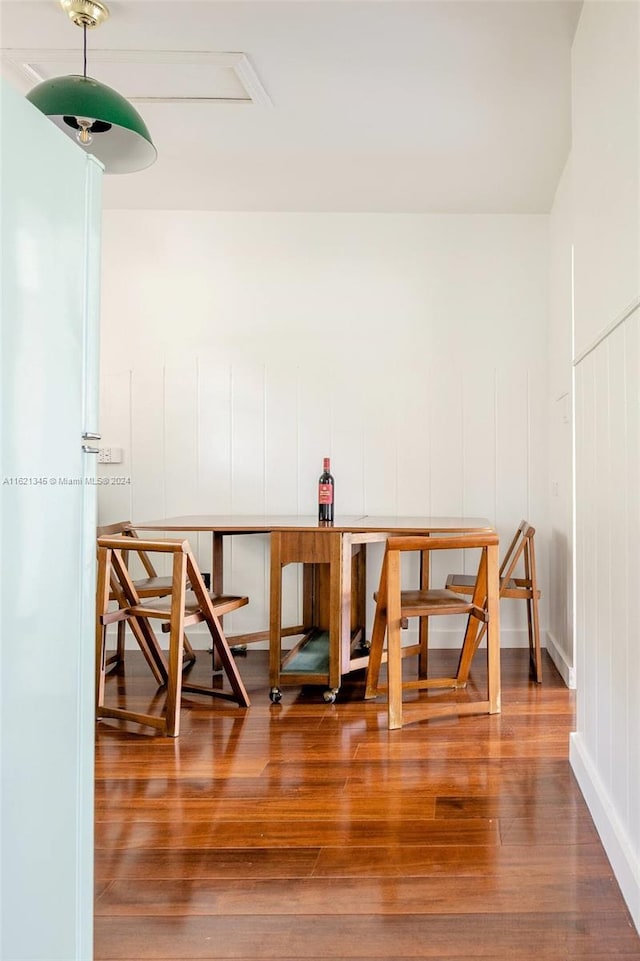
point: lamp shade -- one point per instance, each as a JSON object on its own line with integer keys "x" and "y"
{"x": 120, "y": 139}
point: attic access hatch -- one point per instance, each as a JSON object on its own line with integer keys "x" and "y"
{"x": 154, "y": 76}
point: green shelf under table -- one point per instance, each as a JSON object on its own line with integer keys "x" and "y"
{"x": 311, "y": 657}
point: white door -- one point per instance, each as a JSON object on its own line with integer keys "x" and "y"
{"x": 50, "y": 246}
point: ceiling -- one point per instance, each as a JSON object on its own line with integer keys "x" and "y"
{"x": 325, "y": 105}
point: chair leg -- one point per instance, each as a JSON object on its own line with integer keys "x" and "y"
{"x": 102, "y": 606}
{"x": 176, "y": 647}
{"x": 475, "y": 629}
{"x": 189, "y": 653}
{"x": 375, "y": 652}
{"x": 221, "y": 646}
{"x": 118, "y": 660}
{"x": 394, "y": 643}
{"x": 474, "y": 633}
{"x": 394, "y": 671}
{"x": 378, "y": 632}
{"x": 535, "y": 653}
{"x": 148, "y": 643}
{"x": 493, "y": 663}
{"x": 100, "y": 667}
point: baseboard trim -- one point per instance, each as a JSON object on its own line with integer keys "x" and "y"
{"x": 613, "y": 834}
{"x": 439, "y": 638}
{"x": 566, "y": 671}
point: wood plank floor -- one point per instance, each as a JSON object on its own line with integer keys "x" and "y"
{"x": 304, "y": 830}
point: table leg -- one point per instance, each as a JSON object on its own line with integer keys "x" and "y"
{"x": 217, "y": 558}
{"x": 275, "y": 614}
{"x": 423, "y": 662}
{"x": 493, "y": 633}
{"x": 217, "y": 565}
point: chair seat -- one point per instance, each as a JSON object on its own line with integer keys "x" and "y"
{"x": 433, "y": 602}
{"x": 462, "y": 580}
{"x": 153, "y": 586}
{"x": 514, "y": 587}
{"x": 222, "y": 604}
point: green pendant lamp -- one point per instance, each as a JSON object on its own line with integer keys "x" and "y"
{"x": 102, "y": 121}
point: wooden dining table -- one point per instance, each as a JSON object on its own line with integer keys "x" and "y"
{"x": 332, "y": 636}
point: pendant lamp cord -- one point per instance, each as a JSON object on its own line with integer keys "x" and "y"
{"x": 84, "y": 30}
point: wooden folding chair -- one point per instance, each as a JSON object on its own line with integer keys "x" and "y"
{"x": 523, "y": 588}
{"x": 177, "y": 610}
{"x": 153, "y": 585}
{"x": 394, "y": 606}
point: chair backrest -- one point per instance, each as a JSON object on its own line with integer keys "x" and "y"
{"x": 125, "y": 529}
{"x": 520, "y": 548}
{"x": 185, "y": 571}
{"x": 487, "y": 542}
{"x": 125, "y": 542}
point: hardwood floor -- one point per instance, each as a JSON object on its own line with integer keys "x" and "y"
{"x": 306, "y": 830}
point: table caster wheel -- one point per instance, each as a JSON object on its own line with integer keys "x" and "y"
{"x": 275, "y": 695}
{"x": 331, "y": 695}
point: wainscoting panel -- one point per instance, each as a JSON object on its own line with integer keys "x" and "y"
{"x": 604, "y": 749}
{"x": 202, "y": 436}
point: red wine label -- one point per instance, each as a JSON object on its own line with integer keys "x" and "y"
{"x": 325, "y": 493}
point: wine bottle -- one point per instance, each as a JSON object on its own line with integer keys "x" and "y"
{"x": 325, "y": 494}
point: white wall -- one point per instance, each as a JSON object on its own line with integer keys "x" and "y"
{"x": 606, "y": 230}
{"x": 605, "y": 111}
{"x": 412, "y": 349}
{"x": 560, "y": 439}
